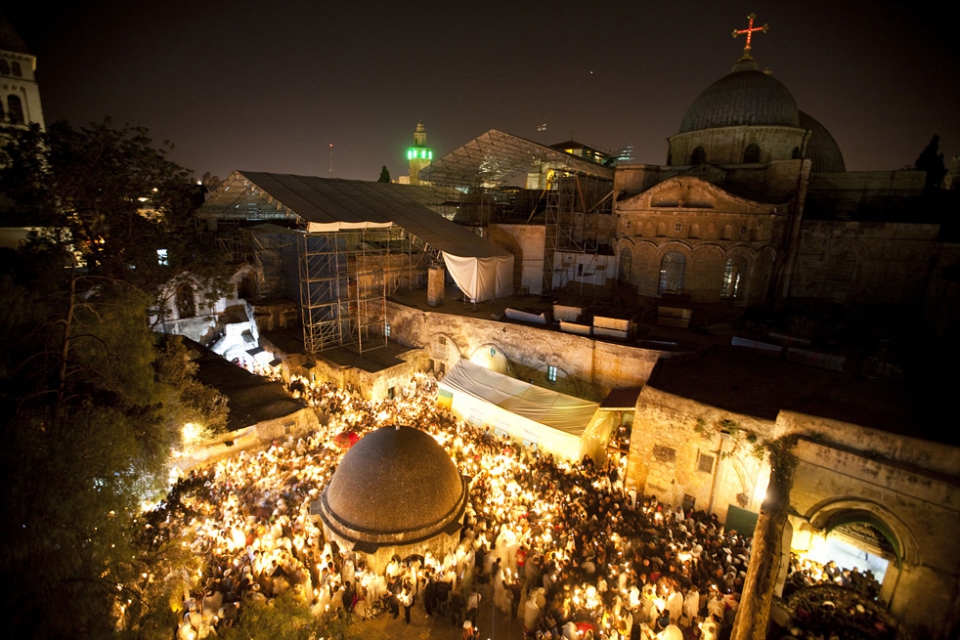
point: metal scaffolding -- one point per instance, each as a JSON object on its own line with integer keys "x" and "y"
{"x": 343, "y": 288}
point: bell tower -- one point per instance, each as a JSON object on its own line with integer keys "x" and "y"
{"x": 19, "y": 92}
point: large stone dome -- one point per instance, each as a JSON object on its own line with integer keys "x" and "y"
{"x": 746, "y": 96}
{"x": 822, "y": 149}
{"x": 395, "y": 486}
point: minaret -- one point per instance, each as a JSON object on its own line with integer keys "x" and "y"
{"x": 419, "y": 155}
{"x": 19, "y": 92}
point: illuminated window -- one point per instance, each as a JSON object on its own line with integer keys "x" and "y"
{"x": 551, "y": 374}
{"x": 733, "y": 273}
{"x": 162, "y": 257}
{"x": 386, "y": 329}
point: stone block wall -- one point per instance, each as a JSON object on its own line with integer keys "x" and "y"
{"x": 864, "y": 262}
{"x": 586, "y": 368}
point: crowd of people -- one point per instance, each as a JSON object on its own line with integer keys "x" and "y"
{"x": 805, "y": 572}
{"x": 557, "y": 544}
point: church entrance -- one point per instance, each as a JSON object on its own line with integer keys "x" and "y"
{"x": 854, "y": 548}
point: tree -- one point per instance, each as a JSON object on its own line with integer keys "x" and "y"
{"x": 765, "y": 555}
{"x": 753, "y": 614}
{"x": 112, "y": 196}
{"x": 91, "y": 401}
{"x": 931, "y": 161}
{"x": 384, "y": 174}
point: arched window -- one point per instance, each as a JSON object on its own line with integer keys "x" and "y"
{"x": 694, "y": 231}
{"x": 672, "y": 268}
{"x": 15, "y": 66}
{"x": 4, "y": 67}
{"x": 661, "y": 229}
{"x": 727, "y": 233}
{"x": 699, "y": 156}
{"x": 796, "y": 153}
{"x": 624, "y": 266}
{"x": 751, "y": 154}
{"x": 734, "y": 274}
{"x": 15, "y": 108}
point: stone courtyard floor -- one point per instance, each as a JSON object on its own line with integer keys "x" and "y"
{"x": 493, "y": 625}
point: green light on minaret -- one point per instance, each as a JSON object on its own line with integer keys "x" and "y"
{"x": 419, "y": 153}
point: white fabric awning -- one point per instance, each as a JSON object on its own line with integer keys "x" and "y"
{"x": 326, "y": 227}
{"x": 550, "y": 408}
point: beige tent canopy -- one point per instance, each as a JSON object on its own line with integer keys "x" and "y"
{"x": 555, "y": 423}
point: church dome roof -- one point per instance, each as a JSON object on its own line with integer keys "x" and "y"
{"x": 822, "y": 149}
{"x": 396, "y": 485}
{"x": 745, "y": 96}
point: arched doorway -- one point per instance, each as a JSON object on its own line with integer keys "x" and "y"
{"x": 861, "y": 535}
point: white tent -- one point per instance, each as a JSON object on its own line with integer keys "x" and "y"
{"x": 562, "y": 425}
{"x": 481, "y": 278}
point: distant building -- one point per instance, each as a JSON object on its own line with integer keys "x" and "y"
{"x": 19, "y": 91}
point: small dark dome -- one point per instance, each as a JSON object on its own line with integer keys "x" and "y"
{"x": 744, "y": 97}
{"x": 396, "y": 485}
{"x": 822, "y": 149}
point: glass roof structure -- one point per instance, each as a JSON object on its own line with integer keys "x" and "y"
{"x": 495, "y": 157}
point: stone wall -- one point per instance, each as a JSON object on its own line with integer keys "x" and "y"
{"x": 586, "y": 368}
{"x": 864, "y": 262}
{"x": 669, "y": 458}
{"x": 906, "y": 486}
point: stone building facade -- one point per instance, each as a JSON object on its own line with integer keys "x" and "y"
{"x": 693, "y": 453}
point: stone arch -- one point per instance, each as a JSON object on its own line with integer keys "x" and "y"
{"x": 751, "y": 154}
{"x": 694, "y": 231}
{"x": 711, "y": 232}
{"x": 830, "y": 514}
{"x": 733, "y": 284}
{"x": 727, "y": 233}
{"x": 707, "y": 260}
{"x": 673, "y": 267}
{"x": 444, "y": 351}
{"x": 699, "y": 156}
{"x": 648, "y": 229}
{"x": 661, "y": 229}
{"x": 492, "y": 357}
{"x": 645, "y": 268}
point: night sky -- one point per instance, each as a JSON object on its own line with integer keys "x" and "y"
{"x": 269, "y": 86}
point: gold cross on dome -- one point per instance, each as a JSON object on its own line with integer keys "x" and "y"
{"x": 749, "y": 31}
